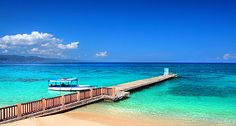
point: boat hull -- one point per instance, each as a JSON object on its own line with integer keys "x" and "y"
{"x": 69, "y": 88}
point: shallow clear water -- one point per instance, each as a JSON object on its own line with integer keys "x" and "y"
{"x": 205, "y": 91}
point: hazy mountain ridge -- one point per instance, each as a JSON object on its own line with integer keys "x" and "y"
{"x": 4, "y": 59}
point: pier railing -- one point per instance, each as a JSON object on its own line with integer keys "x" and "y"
{"x": 69, "y": 101}
{"x": 51, "y": 102}
{"x": 97, "y": 92}
{"x": 40, "y": 107}
{"x": 9, "y": 112}
{"x": 30, "y": 107}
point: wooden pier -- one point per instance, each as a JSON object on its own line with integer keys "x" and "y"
{"x": 66, "y": 102}
{"x": 142, "y": 83}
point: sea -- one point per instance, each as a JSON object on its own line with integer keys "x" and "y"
{"x": 201, "y": 91}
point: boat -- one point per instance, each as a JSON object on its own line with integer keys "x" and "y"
{"x": 67, "y": 84}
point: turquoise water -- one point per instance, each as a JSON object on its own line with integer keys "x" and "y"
{"x": 203, "y": 91}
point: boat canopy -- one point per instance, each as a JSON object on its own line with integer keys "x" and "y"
{"x": 63, "y": 80}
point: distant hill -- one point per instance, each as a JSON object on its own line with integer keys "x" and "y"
{"x": 5, "y": 59}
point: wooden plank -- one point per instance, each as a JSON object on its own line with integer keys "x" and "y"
{"x": 140, "y": 83}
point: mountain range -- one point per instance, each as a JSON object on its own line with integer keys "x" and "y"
{"x": 11, "y": 59}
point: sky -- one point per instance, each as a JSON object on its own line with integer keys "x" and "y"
{"x": 120, "y": 30}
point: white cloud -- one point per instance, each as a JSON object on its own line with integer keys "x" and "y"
{"x": 38, "y": 51}
{"x": 29, "y": 39}
{"x": 228, "y": 56}
{"x": 72, "y": 45}
{"x": 5, "y": 51}
{"x": 46, "y": 45}
{"x": 102, "y": 54}
{"x": 2, "y": 46}
{"x": 34, "y": 50}
{"x": 36, "y": 43}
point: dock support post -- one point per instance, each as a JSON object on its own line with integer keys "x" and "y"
{"x": 19, "y": 112}
{"x": 113, "y": 92}
{"x": 62, "y": 101}
{"x": 43, "y": 104}
{"x": 91, "y": 93}
{"x": 78, "y": 95}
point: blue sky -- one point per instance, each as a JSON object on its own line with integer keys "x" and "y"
{"x": 120, "y": 30}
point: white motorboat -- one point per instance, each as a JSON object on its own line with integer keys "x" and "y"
{"x": 67, "y": 84}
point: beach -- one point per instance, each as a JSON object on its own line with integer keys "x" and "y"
{"x": 78, "y": 118}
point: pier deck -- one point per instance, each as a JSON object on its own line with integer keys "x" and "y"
{"x": 141, "y": 83}
{"x": 66, "y": 102}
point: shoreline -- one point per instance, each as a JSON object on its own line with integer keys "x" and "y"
{"x": 88, "y": 118}
{"x": 95, "y": 110}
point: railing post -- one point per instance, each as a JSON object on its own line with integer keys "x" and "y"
{"x": 113, "y": 92}
{"x": 43, "y": 104}
{"x": 91, "y": 92}
{"x": 62, "y": 101}
{"x": 78, "y": 95}
{"x": 19, "y": 112}
{"x": 99, "y": 92}
{"x": 102, "y": 90}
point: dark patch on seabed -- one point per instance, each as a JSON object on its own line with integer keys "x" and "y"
{"x": 28, "y": 79}
{"x": 20, "y": 80}
{"x": 198, "y": 90}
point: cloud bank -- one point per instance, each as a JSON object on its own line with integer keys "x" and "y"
{"x": 228, "y": 56}
{"x": 36, "y": 43}
{"x": 102, "y": 54}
